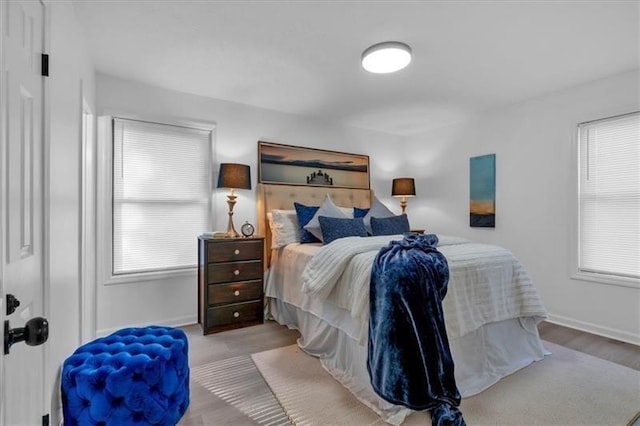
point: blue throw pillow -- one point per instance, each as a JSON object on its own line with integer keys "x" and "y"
{"x": 360, "y": 212}
{"x": 390, "y": 225}
{"x": 305, "y": 214}
{"x": 334, "y": 228}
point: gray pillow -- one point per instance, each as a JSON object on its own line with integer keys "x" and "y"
{"x": 327, "y": 209}
{"x": 378, "y": 210}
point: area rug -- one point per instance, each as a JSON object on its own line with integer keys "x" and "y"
{"x": 565, "y": 388}
{"x": 237, "y": 382}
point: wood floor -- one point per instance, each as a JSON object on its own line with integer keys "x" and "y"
{"x": 612, "y": 350}
{"x": 209, "y": 409}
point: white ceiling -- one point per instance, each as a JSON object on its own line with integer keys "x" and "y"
{"x": 303, "y": 57}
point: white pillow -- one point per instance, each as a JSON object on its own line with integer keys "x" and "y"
{"x": 348, "y": 211}
{"x": 327, "y": 208}
{"x": 377, "y": 210}
{"x": 284, "y": 228}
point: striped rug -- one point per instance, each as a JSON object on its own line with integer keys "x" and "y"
{"x": 238, "y": 382}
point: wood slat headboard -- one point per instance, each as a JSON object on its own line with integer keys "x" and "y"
{"x": 283, "y": 196}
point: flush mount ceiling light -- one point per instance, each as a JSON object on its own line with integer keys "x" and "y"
{"x": 386, "y": 57}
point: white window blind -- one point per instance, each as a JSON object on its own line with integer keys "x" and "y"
{"x": 609, "y": 196}
{"x": 161, "y": 195}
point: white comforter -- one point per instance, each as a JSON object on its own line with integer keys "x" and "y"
{"x": 487, "y": 283}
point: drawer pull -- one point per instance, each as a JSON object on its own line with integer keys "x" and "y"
{"x": 236, "y": 251}
{"x": 236, "y": 314}
{"x": 236, "y": 272}
{"x": 236, "y": 293}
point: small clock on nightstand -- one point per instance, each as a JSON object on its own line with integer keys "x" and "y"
{"x": 247, "y": 229}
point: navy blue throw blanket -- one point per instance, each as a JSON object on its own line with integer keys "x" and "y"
{"x": 409, "y": 360}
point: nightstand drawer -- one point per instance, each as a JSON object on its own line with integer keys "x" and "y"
{"x": 235, "y": 271}
{"x": 235, "y": 313}
{"x": 235, "y": 292}
{"x": 231, "y": 251}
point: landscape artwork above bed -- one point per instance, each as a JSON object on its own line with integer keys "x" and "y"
{"x": 482, "y": 191}
{"x": 295, "y": 165}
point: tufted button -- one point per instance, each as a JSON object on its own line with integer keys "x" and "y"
{"x": 236, "y": 314}
{"x": 236, "y": 252}
{"x": 236, "y": 272}
{"x": 236, "y": 293}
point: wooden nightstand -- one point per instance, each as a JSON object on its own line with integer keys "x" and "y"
{"x": 417, "y": 231}
{"x": 230, "y": 274}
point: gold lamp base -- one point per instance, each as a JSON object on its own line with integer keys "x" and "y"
{"x": 231, "y": 230}
{"x": 403, "y": 204}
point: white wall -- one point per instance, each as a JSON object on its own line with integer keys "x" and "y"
{"x": 71, "y": 77}
{"x": 533, "y": 142}
{"x": 238, "y": 128}
{"x": 535, "y": 174}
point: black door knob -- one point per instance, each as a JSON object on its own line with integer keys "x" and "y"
{"x": 34, "y": 333}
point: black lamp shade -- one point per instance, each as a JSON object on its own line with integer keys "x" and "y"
{"x": 234, "y": 176}
{"x": 403, "y": 187}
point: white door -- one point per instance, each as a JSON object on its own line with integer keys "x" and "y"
{"x": 21, "y": 228}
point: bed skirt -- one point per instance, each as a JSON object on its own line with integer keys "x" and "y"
{"x": 481, "y": 357}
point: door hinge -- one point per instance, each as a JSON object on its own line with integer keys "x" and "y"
{"x": 45, "y": 65}
{"x": 45, "y": 420}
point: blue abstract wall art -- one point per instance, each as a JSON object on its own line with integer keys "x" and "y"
{"x": 482, "y": 185}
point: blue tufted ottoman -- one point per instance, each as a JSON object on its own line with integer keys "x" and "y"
{"x": 135, "y": 376}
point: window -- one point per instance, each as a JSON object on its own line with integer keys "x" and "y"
{"x": 609, "y": 198}
{"x": 161, "y": 195}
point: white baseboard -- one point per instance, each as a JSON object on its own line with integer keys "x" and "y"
{"x": 172, "y": 322}
{"x": 588, "y": 327}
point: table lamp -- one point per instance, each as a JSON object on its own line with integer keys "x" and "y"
{"x": 233, "y": 176}
{"x": 403, "y": 187}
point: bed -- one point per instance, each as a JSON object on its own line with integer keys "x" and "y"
{"x": 488, "y": 340}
